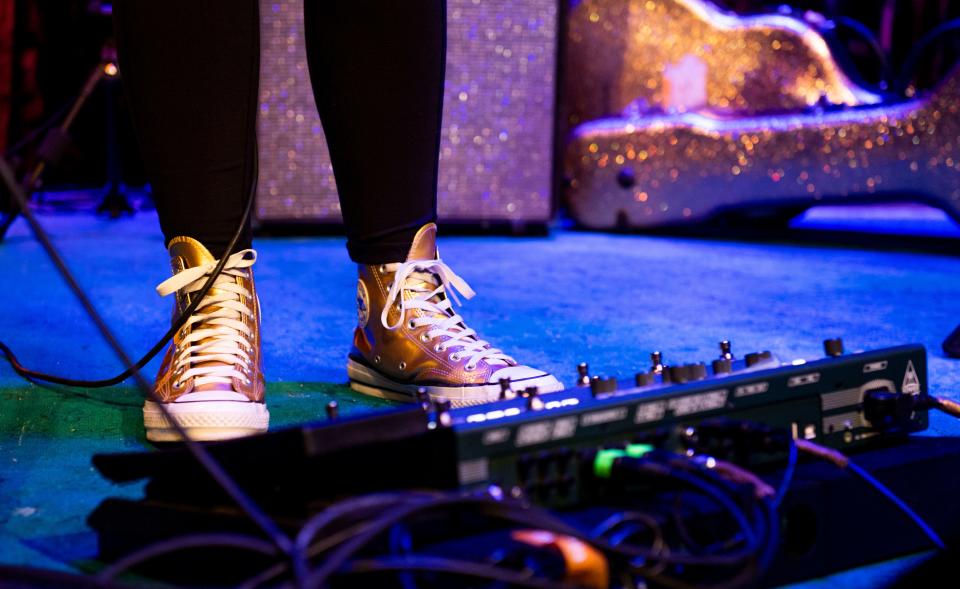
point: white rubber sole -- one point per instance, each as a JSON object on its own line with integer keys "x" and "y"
{"x": 206, "y": 421}
{"x": 370, "y": 382}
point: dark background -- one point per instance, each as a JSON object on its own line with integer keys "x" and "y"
{"x": 49, "y": 47}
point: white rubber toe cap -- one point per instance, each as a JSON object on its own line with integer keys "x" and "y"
{"x": 526, "y": 376}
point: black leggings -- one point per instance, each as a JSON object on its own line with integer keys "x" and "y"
{"x": 191, "y": 68}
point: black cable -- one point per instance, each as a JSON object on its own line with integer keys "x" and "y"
{"x": 788, "y": 473}
{"x": 758, "y": 544}
{"x": 88, "y": 306}
{"x": 34, "y": 133}
{"x": 246, "y": 504}
{"x": 433, "y": 564}
{"x": 316, "y": 549}
{"x": 844, "y": 463}
{"x": 507, "y": 511}
{"x": 171, "y": 545}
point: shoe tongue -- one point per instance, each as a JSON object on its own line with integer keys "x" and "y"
{"x": 186, "y": 252}
{"x": 424, "y": 246}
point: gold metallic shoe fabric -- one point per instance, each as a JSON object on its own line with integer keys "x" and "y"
{"x": 186, "y": 253}
{"x": 406, "y": 354}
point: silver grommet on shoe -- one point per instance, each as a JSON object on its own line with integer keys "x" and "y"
{"x": 469, "y": 367}
{"x": 402, "y": 365}
{"x": 424, "y": 337}
{"x": 382, "y": 268}
{"x": 411, "y": 324}
{"x": 454, "y": 357}
{"x": 376, "y": 359}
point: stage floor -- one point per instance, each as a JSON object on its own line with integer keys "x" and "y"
{"x": 551, "y": 301}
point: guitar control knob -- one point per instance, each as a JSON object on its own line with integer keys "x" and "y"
{"x": 725, "y": 350}
{"x": 833, "y": 347}
{"x": 601, "y": 386}
{"x": 656, "y": 359}
{"x": 583, "y": 375}
{"x": 721, "y": 366}
{"x": 644, "y": 379}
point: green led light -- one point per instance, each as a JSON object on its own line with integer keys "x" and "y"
{"x": 638, "y": 450}
{"x": 603, "y": 463}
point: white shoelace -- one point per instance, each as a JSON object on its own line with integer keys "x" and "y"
{"x": 435, "y": 284}
{"x": 219, "y": 335}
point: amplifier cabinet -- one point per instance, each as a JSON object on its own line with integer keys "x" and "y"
{"x": 496, "y": 151}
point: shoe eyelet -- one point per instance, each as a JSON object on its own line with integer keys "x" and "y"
{"x": 469, "y": 367}
{"x": 382, "y": 268}
{"x": 439, "y": 348}
{"x": 454, "y": 357}
{"x": 246, "y": 381}
{"x": 402, "y": 365}
{"x": 389, "y": 286}
{"x": 424, "y": 338}
{"x": 178, "y": 385}
{"x": 376, "y": 359}
{"x": 411, "y": 324}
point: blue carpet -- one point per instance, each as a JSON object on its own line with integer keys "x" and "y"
{"x": 552, "y": 302}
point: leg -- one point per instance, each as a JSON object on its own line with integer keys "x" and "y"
{"x": 377, "y": 69}
{"x": 190, "y": 70}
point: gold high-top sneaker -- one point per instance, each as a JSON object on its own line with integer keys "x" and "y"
{"x": 410, "y": 337}
{"x": 210, "y": 380}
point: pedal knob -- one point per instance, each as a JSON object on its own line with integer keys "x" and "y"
{"x": 721, "y": 366}
{"x": 441, "y": 407}
{"x": 833, "y": 347}
{"x": 583, "y": 374}
{"x": 656, "y": 360}
{"x": 697, "y": 371}
{"x": 534, "y": 402}
{"x": 644, "y": 379}
{"x": 725, "y": 350}
{"x": 601, "y": 386}
{"x": 333, "y": 410}
{"x": 665, "y": 375}
{"x": 423, "y": 397}
{"x": 678, "y": 374}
